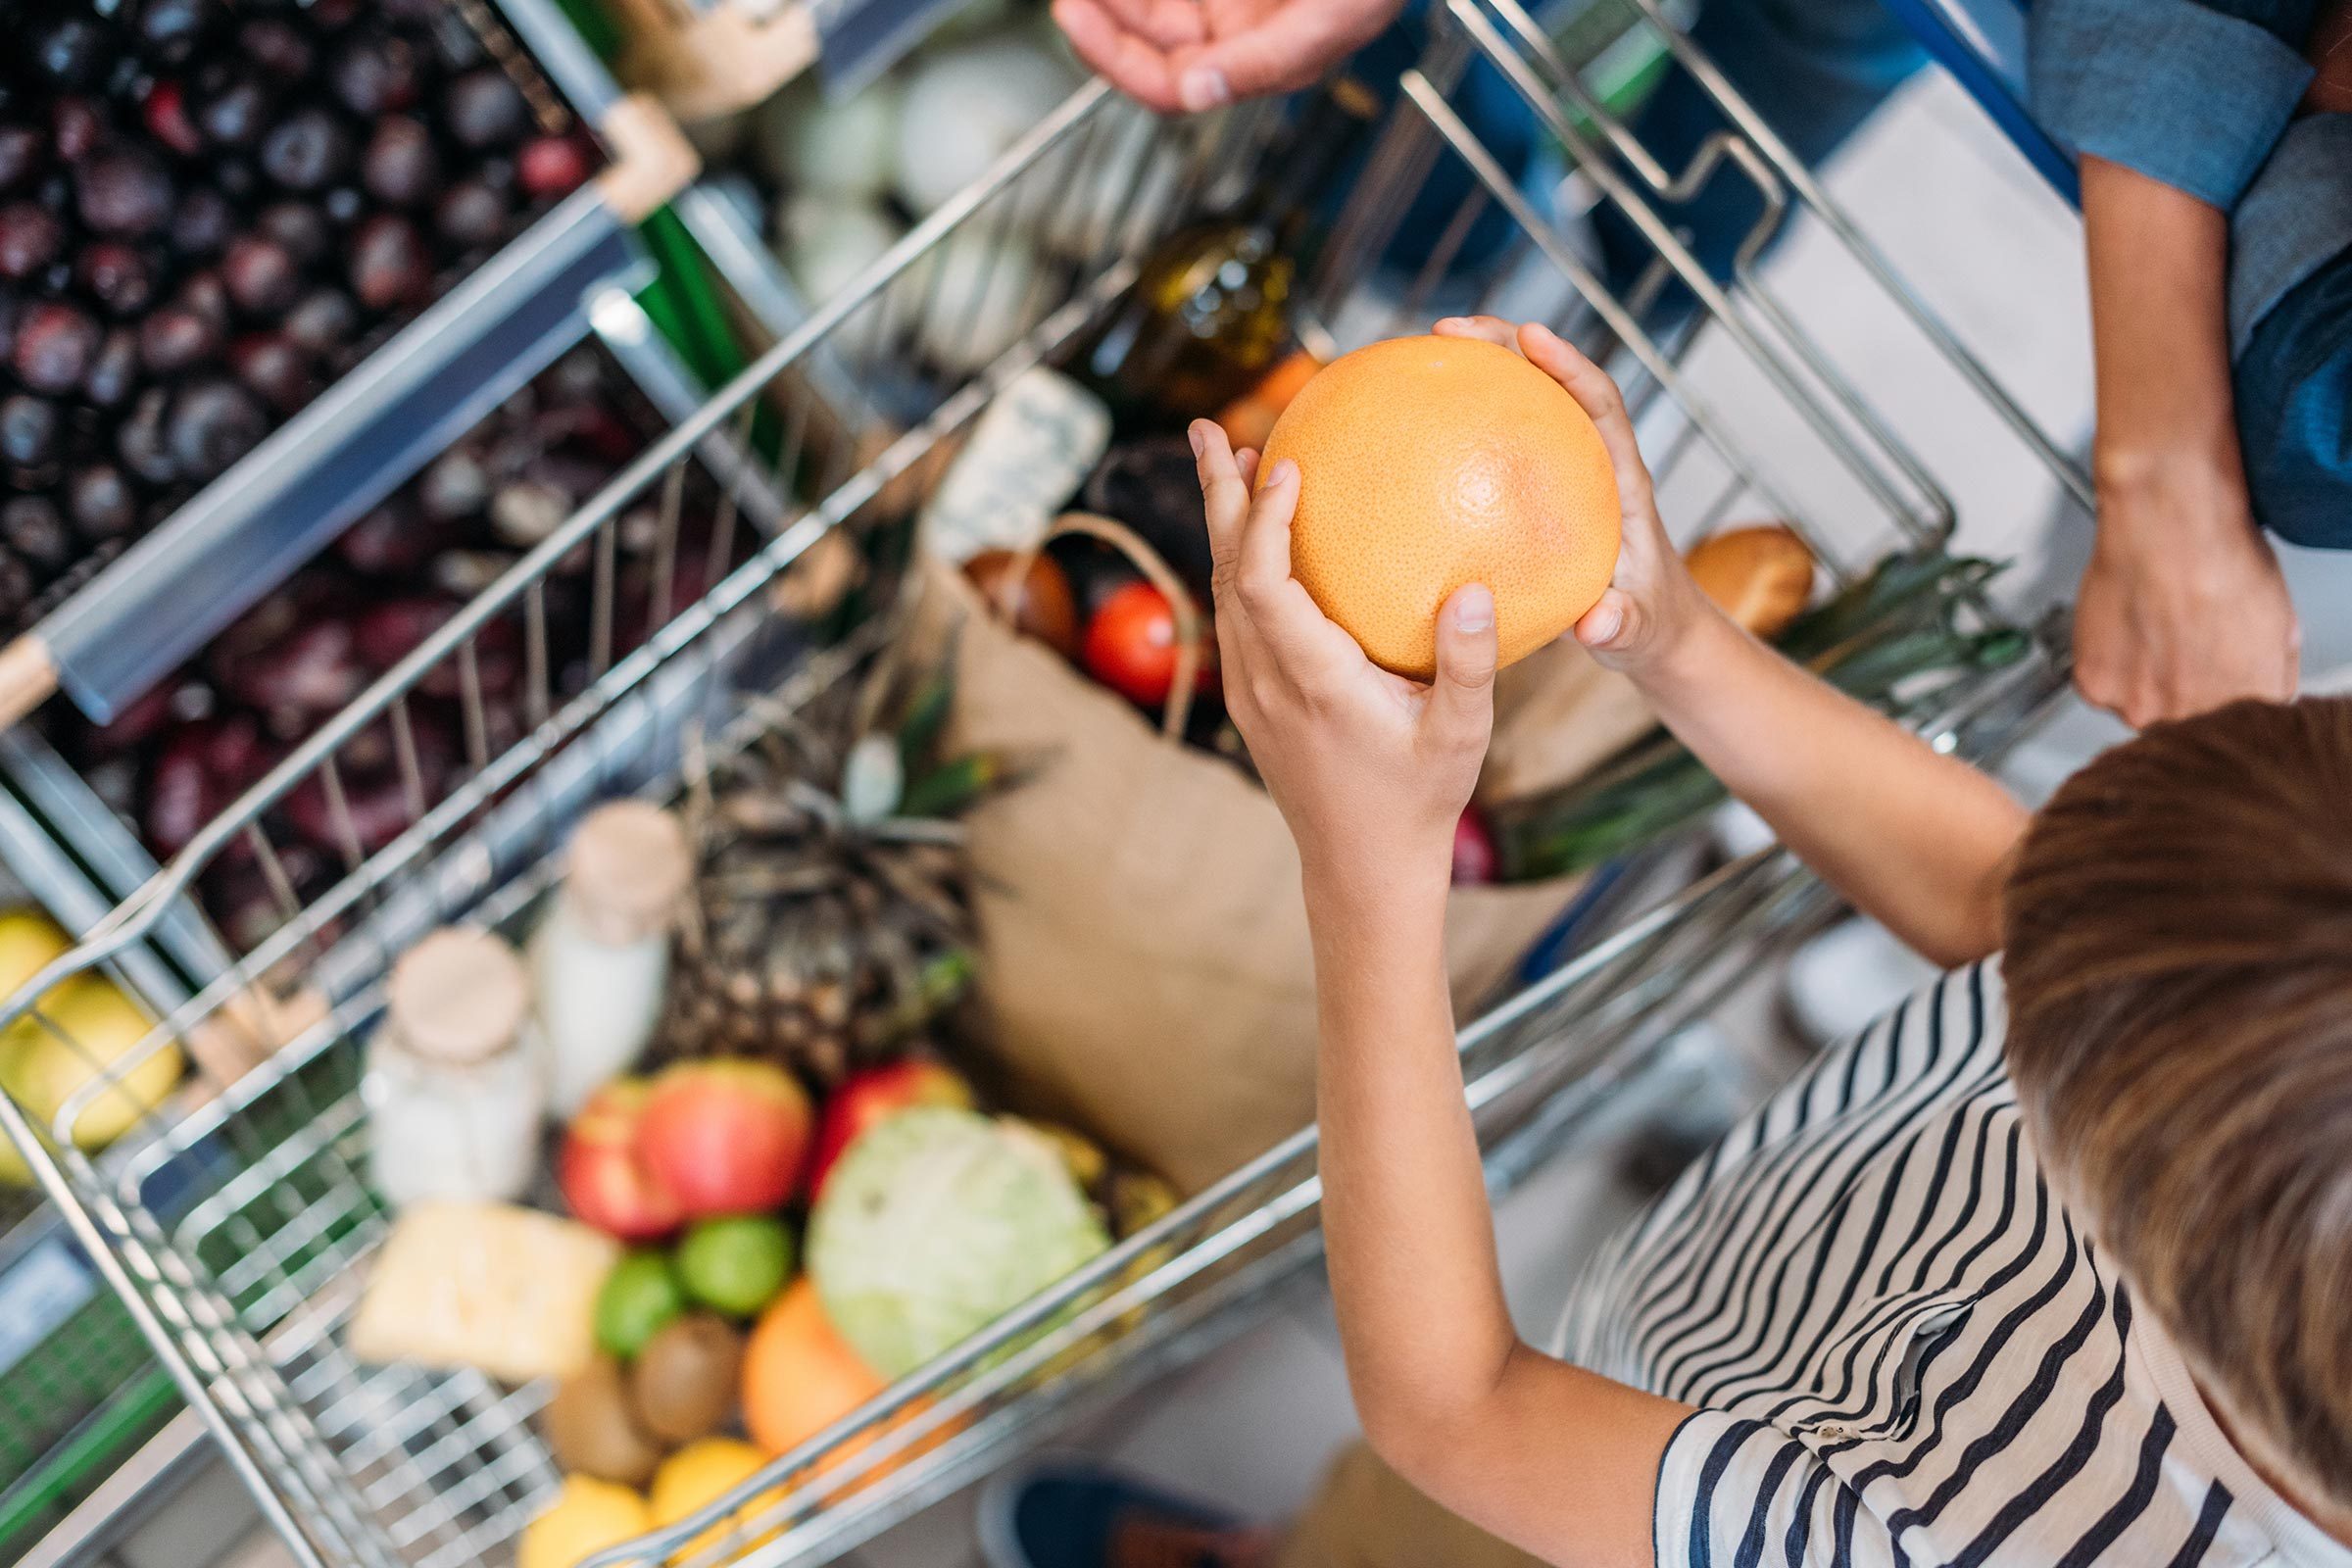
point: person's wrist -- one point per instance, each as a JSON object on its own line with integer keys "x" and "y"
{"x": 2161, "y": 494}
{"x": 1404, "y": 885}
{"x": 1690, "y": 652}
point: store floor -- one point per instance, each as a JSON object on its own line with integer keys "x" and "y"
{"x": 1986, "y": 244}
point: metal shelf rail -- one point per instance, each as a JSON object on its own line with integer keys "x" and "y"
{"x": 247, "y": 1290}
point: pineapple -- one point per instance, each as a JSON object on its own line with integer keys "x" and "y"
{"x": 827, "y": 926}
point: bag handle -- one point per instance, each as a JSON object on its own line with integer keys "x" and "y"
{"x": 1156, "y": 571}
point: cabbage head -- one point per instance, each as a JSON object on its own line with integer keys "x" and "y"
{"x": 935, "y": 1223}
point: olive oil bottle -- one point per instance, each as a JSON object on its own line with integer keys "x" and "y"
{"x": 1210, "y": 310}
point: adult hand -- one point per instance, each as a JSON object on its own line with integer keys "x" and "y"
{"x": 2182, "y": 606}
{"x": 1371, "y": 770}
{"x": 1191, "y": 55}
{"x": 1652, "y": 604}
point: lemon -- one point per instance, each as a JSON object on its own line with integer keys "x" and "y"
{"x": 701, "y": 1473}
{"x": 30, "y": 941}
{"x": 587, "y": 1516}
{"x": 84, "y": 1030}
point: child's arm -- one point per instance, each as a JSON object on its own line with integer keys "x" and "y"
{"x": 1371, "y": 771}
{"x": 1918, "y": 840}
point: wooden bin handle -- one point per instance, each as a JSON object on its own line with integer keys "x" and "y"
{"x": 1146, "y": 559}
{"x": 28, "y": 679}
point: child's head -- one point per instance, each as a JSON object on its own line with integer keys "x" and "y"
{"x": 2179, "y": 980}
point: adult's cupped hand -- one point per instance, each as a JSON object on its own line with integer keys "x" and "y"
{"x": 1191, "y": 55}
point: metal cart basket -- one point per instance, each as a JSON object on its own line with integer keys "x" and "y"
{"x": 237, "y": 1228}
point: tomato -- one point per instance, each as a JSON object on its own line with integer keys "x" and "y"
{"x": 1131, "y": 645}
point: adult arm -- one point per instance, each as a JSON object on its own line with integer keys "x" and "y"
{"x": 2182, "y": 606}
{"x": 1917, "y": 840}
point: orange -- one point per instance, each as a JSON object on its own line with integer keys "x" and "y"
{"x": 1428, "y": 463}
{"x": 799, "y": 1376}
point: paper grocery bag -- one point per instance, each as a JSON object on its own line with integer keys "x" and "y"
{"x": 1145, "y": 968}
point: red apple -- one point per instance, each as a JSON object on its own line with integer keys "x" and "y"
{"x": 603, "y": 1172}
{"x": 725, "y": 1137}
{"x": 875, "y": 1095}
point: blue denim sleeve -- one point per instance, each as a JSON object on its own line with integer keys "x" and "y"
{"x": 2290, "y": 333}
{"x": 2192, "y": 94}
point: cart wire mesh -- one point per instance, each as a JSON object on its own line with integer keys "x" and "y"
{"x": 238, "y": 1232}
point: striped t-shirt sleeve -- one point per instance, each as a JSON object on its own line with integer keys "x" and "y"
{"x": 1747, "y": 1494}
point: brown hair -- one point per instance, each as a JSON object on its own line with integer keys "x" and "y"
{"x": 2179, "y": 980}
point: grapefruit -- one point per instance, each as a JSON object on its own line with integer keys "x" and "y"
{"x": 799, "y": 1376}
{"x": 1428, "y": 463}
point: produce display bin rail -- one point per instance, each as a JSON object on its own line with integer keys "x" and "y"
{"x": 239, "y": 1232}
{"x": 144, "y": 611}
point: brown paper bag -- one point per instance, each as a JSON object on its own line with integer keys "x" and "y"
{"x": 1144, "y": 967}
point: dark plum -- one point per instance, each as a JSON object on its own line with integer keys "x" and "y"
{"x": 204, "y": 766}
{"x": 211, "y": 424}
{"x": 27, "y": 430}
{"x": 203, "y": 292}
{"x": 278, "y": 47}
{"x": 308, "y": 150}
{"x": 454, "y": 487}
{"x": 166, "y": 116}
{"x": 372, "y": 76}
{"x": 20, "y": 151}
{"x": 55, "y": 344}
{"x": 139, "y": 439}
{"x": 400, "y": 167}
{"x": 173, "y": 338}
{"x": 343, "y": 204}
{"x": 101, "y": 502}
{"x": 323, "y": 322}
{"x": 392, "y": 540}
{"x": 124, "y": 192}
{"x": 550, "y": 167}
{"x": 203, "y": 222}
{"x": 313, "y": 668}
{"x": 232, "y": 107}
{"x": 16, "y": 587}
{"x": 301, "y": 227}
{"x": 73, "y": 52}
{"x": 34, "y": 528}
{"x": 114, "y": 369}
{"x": 117, "y": 275}
{"x": 75, "y": 128}
{"x": 261, "y": 278}
{"x": 11, "y": 311}
{"x": 484, "y": 109}
{"x": 169, "y": 30}
{"x": 471, "y": 215}
{"x": 237, "y": 179}
{"x": 30, "y": 239}
{"x": 274, "y": 368}
{"x": 389, "y": 265}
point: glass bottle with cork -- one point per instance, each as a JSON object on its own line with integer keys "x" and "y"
{"x": 600, "y": 956}
{"x": 453, "y": 1097}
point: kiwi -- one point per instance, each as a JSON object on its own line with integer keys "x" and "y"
{"x": 683, "y": 1384}
{"x": 592, "y": 1432}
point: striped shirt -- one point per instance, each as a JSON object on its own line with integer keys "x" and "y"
{"x": 1902, "y": 1350}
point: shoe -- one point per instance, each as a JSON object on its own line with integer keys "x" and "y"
{"x": 1066, "y": 1513}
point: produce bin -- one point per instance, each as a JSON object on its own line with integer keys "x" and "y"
{"x": 240, "y": 1235}
{"x": 464, "y": 301}
{"x": 80, "y": 1388}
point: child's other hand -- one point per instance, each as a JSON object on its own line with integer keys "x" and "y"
{"x": 1652, "y": 604}
{"x": 1370, "y": 769}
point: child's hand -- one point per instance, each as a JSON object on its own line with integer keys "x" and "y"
{"x": 1370, "y": 769}
{"x": 1652, "y": 604}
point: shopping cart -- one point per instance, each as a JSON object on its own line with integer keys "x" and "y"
{"x": 238, "y": 1232}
